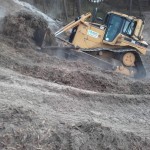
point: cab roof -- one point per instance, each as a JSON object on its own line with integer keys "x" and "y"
{"x": 123, "y": 15}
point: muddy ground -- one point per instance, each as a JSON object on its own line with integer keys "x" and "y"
{"x": 49, "y": 103}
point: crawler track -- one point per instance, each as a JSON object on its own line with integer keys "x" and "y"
{"x": 117, "y": 53}
{"x": 92, "y": 57}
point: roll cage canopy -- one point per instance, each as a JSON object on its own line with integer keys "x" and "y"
{"x": 116, "y": 24}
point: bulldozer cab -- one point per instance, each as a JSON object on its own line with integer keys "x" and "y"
{"x": 118, "y": 24}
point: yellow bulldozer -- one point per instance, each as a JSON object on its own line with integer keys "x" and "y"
{"x": 115, "y": 44}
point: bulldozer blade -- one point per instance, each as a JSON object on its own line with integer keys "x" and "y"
{"x": 71, "y": 54}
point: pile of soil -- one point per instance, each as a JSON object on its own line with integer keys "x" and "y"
{"x": 35, "y": 114}
{"x": 26, "y": 30}
{"x": 22, "y": 130}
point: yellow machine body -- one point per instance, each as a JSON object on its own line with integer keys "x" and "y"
{"x": 90, "y": 35}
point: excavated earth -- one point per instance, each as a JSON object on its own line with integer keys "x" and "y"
{"x": 47, "y": 103}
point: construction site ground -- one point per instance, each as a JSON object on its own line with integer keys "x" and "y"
{"x": 47, "y": 103}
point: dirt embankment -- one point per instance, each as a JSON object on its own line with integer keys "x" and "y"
{"x": 25, "y": 30}
{"x": 80, "y": 107}
{"x": 19, "y": 34}
{"x": 35, "y": 114}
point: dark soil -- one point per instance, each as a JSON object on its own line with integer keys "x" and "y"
{"x": 28, "y": 132}
{"x": 26, "y": 30}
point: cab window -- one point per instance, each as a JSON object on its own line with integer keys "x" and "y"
{"x": 114, "y": 24}
{"x": 129, "y": 27}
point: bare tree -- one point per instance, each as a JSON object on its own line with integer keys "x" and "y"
{"x": 78, "y": 7}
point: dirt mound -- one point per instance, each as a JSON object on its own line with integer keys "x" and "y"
{"x": 35, "y": 114}
{"x": 99, "y": 81}
{"x": 21, "y": 130}
{"x": 77, "y": 74}
{"x": 17, "y": 128}
{"x": 25, "y": 30}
